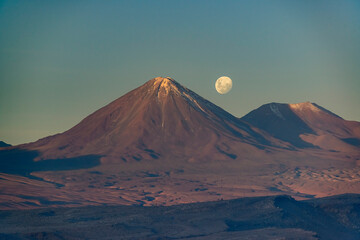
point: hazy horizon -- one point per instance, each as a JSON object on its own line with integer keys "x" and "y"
{"x": 61, "y": 61}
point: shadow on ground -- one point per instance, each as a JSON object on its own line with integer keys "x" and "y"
{"x": 21, "y": 162}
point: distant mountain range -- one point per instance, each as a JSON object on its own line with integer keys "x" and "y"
{"x": 163, "y": 119}
{"x": 162, "y": 144}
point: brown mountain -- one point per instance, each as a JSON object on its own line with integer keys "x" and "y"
{"x": 162, "y": 144}
{"x": 306, "y": 125}
{"x": 160, "y": 119}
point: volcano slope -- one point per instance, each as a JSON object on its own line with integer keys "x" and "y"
{"x": 162, "y": 144}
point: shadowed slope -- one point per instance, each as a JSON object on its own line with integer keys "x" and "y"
{"x": 21, "y": 162}
{"x": 281, "y": 122}
{"x": 4, "y": 144}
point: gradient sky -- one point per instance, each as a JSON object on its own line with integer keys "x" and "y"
{"x": 62, "y": 60}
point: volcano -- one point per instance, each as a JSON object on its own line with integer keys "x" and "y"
{"x": 160, "y": 119}
{"x": 307, "y": 125}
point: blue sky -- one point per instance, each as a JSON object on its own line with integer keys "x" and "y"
{"x": 62, "y": 60}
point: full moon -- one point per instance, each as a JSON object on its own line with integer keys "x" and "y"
{"x": 223, "y": 85}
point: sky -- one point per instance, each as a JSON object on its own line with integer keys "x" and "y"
{"x": 62, "y": 60}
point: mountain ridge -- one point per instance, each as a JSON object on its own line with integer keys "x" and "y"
{"x": 306, "y": 125}
{"x": 4, "y": 144}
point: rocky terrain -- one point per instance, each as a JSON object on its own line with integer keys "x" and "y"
{"x": 277, "y": 217}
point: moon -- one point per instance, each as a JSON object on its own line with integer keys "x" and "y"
{"x": 223, "y": 85}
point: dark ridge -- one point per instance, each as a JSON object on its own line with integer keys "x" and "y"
{"x": 154, "y": 156}
{"x": 4, "y": 144}
{"x": 230, "y": 155}
{"x": 63, "y": 147}
{"x": 336, "y": 217}
{"x": 45, "y": 201}
{"x": 149, "y": 199}
{"x": 152, "y": 153}
{"x": 96, "y": 172}
{"x": 137, "y": 158}
{"x": 83, "y": 219}
{"x": 352, "y": 141}
{"x": 150, "y": 174}
{"x": 327, "y": 111}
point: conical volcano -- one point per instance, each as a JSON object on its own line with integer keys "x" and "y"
{"x": 160, "y": 119}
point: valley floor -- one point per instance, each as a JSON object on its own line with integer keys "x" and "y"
{"x": 154, "y": 186}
